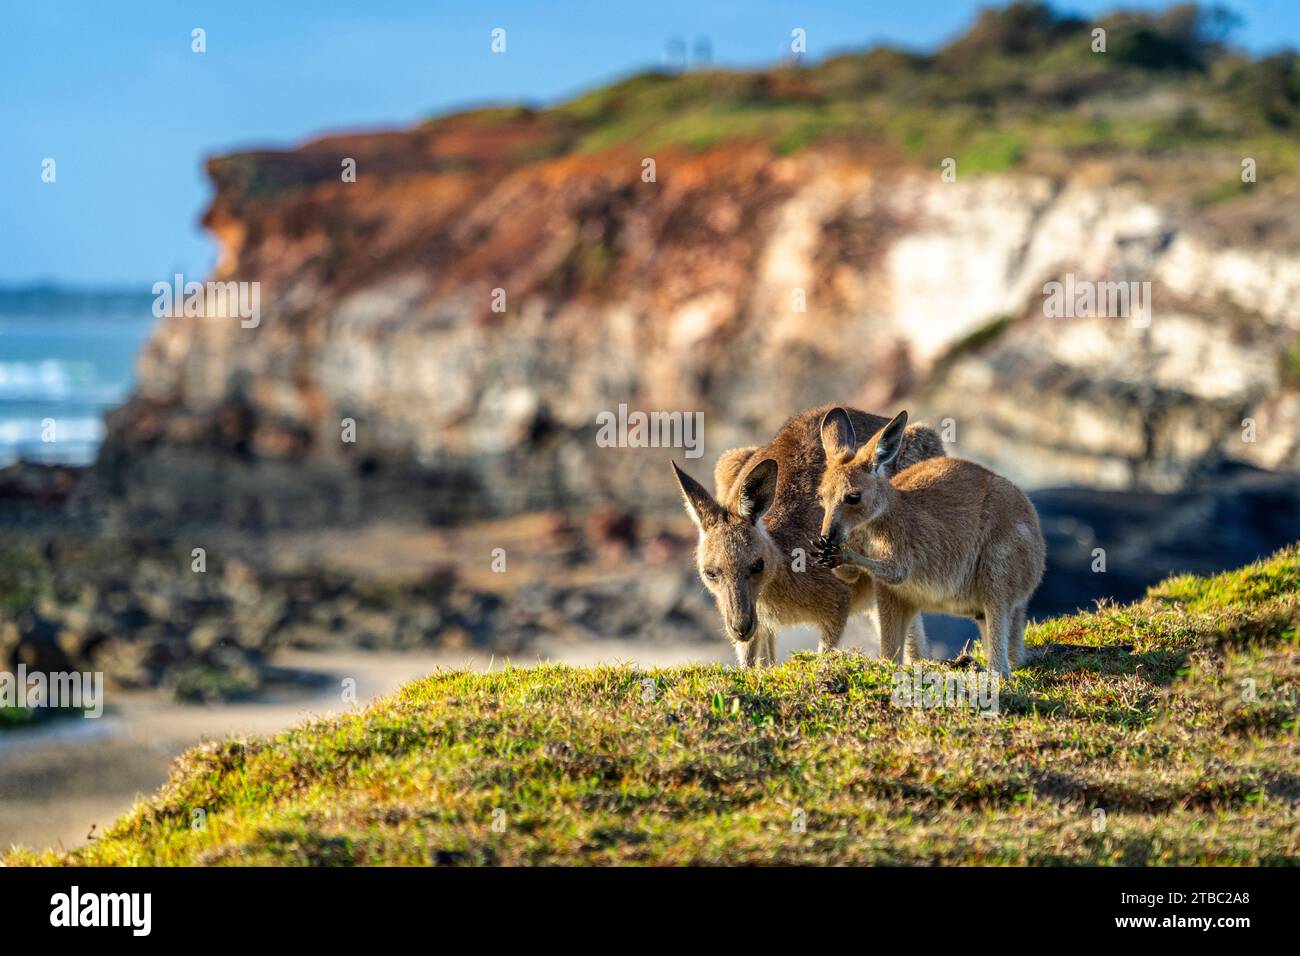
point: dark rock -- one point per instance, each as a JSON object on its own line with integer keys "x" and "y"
{"x": 37, "y": 645}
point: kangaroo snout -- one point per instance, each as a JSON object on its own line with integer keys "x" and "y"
{"x": 742, "y": 629}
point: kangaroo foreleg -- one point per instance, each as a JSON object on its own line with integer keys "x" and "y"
{"x": 886, "y": 571}
{"x": 916, "y": 646}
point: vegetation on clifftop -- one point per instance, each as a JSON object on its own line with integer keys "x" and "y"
{"x": 1024, "y": 82}
{"x": 1168, "y": 734}
{"x": 1169, "y": 103}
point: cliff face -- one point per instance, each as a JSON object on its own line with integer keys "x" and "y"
{"x": 744, "y": 282}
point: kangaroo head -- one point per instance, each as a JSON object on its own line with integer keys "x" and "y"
{"x": 736, "y": 556}
{"x": 854, "y": 484}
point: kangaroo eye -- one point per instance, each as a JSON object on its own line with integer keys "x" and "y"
{"x": 711, "y": 575}
{"x": 756, "y": 567}
{"x": 853, "y": 497}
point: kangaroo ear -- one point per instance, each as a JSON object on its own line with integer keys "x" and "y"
{"x": 838, "y": 437}
{"x": 704, "y": 511}
{"x": 888, "y": 442}
{"x": 758, "y": 491}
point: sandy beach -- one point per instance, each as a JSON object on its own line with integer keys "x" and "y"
{"x": 63, "y": 782}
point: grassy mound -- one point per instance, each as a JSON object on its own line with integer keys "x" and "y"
{"x": 1168, "y": 735}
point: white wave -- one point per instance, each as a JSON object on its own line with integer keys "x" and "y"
{"x": 64, "y": 453}
{"x": 56, "y": 380}
{"x": 76, "y": 440}
{"x": 22, "y": 431}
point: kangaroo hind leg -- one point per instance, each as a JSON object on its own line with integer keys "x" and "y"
{"x": 997, "y": 634}
{"x": 895, "y": 618}
{"x": 1016, "y": 653}
{"x": 916, "y": 646}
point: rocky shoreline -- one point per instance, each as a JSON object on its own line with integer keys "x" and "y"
{"x": 82, "y": 590}
{"x": 151, "y": 607}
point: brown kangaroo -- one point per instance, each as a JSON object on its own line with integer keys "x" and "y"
{"x": 755, "y": 535}
{"x": 942, "y": 534}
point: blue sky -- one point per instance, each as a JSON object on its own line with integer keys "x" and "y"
{"x": 113, "y": 93}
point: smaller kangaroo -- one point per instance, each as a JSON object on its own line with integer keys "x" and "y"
{"x": 943, "y": 535}
{"x": 764, "y": 512}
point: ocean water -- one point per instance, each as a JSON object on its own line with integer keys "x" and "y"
{"x": 66, "y": 357}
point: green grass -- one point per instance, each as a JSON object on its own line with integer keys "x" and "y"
{"x": 1175, "y": 716}
{"x": 22, "y": 718}
{"x": 1291, "y": 367}
{"x": 13, "y": 717}
{"x": 973, "y": 342}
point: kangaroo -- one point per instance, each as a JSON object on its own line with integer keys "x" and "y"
{"x": 754, "y": 536}
{"x": 942, "y": 534}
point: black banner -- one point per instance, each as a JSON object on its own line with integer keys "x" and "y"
{"x": 217, "y": 905}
